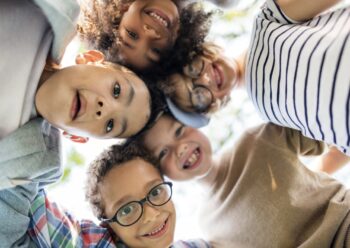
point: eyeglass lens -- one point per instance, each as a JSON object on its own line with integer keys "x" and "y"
{"x": 132, "y": 211}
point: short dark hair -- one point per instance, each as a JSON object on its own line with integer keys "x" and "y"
{"x": 112, "y": 157}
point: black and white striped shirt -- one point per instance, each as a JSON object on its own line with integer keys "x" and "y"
{"x": 298, "y": 74}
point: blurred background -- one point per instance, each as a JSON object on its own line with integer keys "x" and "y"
{"x": 231, "y": 29}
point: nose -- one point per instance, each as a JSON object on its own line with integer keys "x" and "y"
{"x": 204, "y": 77}
{"x": 100, "y": 109}
{"x": 150, "y": 212}
{"x": 151, "y": 32}
{"x": 181, "y": 150}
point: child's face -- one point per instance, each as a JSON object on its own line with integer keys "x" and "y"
{"x": 97, "y": 101}
{"x": 205, "y": 83}
{"x": 184, "y": 152}
{"x": 147, "y": 28}
{"x": 132, "y": 182}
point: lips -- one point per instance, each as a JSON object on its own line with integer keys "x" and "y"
{"x": 158, "y": 231}
{"x": 76, "y": 106}
{"x": 194, "y": 160}
{"x": 218, "y": 76}
{"x": 160, "y": 17}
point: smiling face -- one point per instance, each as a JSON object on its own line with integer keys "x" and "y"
{"x": 147, "y": 29}
{"x": 97, "y": 101}
{"x": 184, "y": 152}
{"x": 206, "y": 83}
{"x": 132, "y": 182}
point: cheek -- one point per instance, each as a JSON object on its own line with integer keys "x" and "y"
{"x": 127, "y": 234}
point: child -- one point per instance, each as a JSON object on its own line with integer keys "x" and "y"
{"x": 123, "y": 173}
{"x": 93, "y": 98}
{"x": 259, "y": 192}
{"x": 142, "y": 34}
{"x": 272, "y": 71}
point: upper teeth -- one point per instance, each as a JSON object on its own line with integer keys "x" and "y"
{"x": 157, "y": 230}
{"x": 193, "y": 159}
{"x": 159, "y": 18}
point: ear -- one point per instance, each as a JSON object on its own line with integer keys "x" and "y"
{"x": 90, "y": 56}
{"x": 75, "y": 138}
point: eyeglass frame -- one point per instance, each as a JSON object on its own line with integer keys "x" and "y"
{"x": 140, "y": 202}
{"x": 197, "y": 86}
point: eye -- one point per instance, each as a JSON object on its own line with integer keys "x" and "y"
{"x": 125, "y": 211}
{"x": 116, "y": 90}
{"x": 132, "y": 35}
{"x": 156, "y": 51}
{"x": 109, "y": 126}
{"x": 179, "y": 131}
{"x": 163, "y": 153}
{"x": 156, "y": 192}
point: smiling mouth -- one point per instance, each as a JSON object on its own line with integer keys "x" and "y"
{"x": 76, "y": 106}
{"x": 218, "y": 77}
{"x": 193, "y": 161}
{"x": 159, "y": 231}
{"x": 159, "y": 17}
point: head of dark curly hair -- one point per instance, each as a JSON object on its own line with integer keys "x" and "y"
{"x": 99, "y": 22}
{"x": 112, "y": 157}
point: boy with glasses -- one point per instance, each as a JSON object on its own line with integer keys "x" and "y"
{"x": 126, "y": 191}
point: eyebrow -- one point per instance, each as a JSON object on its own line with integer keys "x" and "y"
{"x": 131, "y": 92}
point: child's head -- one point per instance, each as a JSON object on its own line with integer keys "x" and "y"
{"x": 184, "y": 152}
{"x": 140, "y": 33}
{"x": 126, "y": 190}
{"x": 205, "y": 84}
{"x": 95, "y": 98}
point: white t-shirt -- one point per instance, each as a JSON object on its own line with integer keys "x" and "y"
{"x": 298, "y": 74}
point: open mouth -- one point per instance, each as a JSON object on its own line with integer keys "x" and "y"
{"x": 193, "y": 161}
{"x": 76, "y": 106}
{"x": 218, "y": 76}
{"x": 159, "y": 17}
{"x": 159, "y": 231}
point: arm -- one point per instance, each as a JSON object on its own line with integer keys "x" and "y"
{"x": 29, "y": 159}
{"x": 332, "y": 160}
{"x": 301, "y": 10}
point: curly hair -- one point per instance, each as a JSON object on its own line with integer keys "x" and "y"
{"x": 112, "y": 157}
{"x": 99, "y": 22}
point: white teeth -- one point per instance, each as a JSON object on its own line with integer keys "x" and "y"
{"x": 192, "y": 159}
{"x": 161, "y": 20}
{"x": 157, "y": 230}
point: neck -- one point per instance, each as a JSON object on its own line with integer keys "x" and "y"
{"x": 209, "y": 178}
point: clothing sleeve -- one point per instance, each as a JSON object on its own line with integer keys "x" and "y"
{"x": 272, "y": 12}
{"x": 30, "y": 154}
{"x": 290, "y": 140}
{"x": 53, "y": 226}
{"x": 29, "y": 159}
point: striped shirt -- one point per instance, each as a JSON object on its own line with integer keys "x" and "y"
{"x": 51, "y": 226}
{"x": 298, "y": 74}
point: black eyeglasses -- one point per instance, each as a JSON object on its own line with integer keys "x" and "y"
{"x": 131, "y": 212}
{"x": 201, "y": 97}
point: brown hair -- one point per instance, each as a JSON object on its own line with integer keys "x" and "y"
{"x": 112, "y": 157}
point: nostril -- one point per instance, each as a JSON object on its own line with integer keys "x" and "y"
{"x": 98, "y": 113}
{"x": 100, "y": 104}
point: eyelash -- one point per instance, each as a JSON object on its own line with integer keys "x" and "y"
{"x": 132, "y": 34}
{"x": 109, "y": 126}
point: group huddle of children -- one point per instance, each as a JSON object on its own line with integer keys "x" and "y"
{"x": 153, "y": 79}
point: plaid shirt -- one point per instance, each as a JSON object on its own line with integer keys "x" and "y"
{"x": 50, "y": 226}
